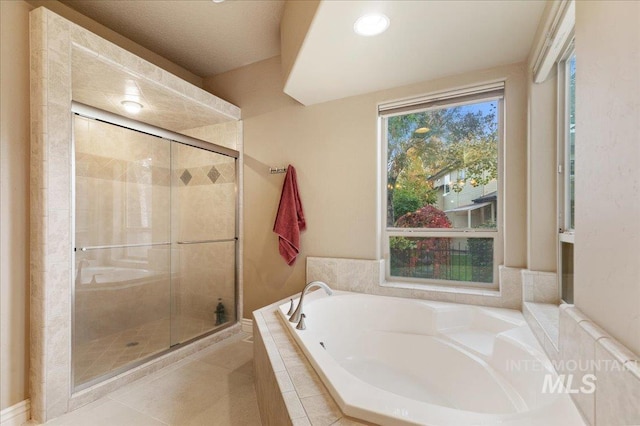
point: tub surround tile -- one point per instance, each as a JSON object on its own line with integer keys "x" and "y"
{"x": 544, "y": 320}
{"x": 510, "y": 287}
{"x": 577, "y": 348}
{"x": 540, "y": 287}
{"x": 348, "y": 421}
{"x": 545, "y": 288}
{"x": 305, "y": 381}
{"x": 357, "y": 275}
{"x": 368, "y": 276}
{"x": 284, "y": 381}
{"x": 586, "y": 349}
{"x": 321, "y": 410}
{"x": 301, "y": 421}
{"x": 323, "y": 270}
{"x": 618, "y": 389}
{"x": 295, "y": 394}
{"x": 533, "y": 323}
{"x": 294, "y": 405}
{"x": 271, "y": 402}
{"x": 616, "y": 351}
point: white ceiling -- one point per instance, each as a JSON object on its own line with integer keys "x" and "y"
{"x": 426, "y": 40}
{"x": 204, "y": 37}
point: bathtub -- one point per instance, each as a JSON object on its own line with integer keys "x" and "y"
{"x": 400, "y": 361}
{"x": 97, "y": 275}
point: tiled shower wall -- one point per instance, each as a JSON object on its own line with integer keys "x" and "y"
{"x": 204, "y": 209}
{"x": 127, "y": 182}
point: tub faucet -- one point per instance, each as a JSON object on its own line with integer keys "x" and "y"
{"x": 295, "y": 317}
{"x": 81, "y": 264}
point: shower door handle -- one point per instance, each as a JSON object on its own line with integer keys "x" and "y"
{"x": 116, "y": 246}
{"x": 227, "y": 240}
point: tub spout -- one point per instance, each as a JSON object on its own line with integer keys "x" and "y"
{"x": 295, "y": 317}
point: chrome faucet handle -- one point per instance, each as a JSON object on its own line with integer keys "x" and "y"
{"x": 291, "y": 308}
{"x": 301, "y": 325}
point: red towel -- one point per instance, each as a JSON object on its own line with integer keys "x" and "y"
{"x": 290, "y": 218}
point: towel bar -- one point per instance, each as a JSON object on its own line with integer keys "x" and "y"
{"x": 276, "y": 170}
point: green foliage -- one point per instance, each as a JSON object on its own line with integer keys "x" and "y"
{"x": 481, "y": 252}
{"x": 412, "y": 190}
{"x": 405, "y": 201}
{"x": 401, "y": 243}
{"x": 421, "y": 145}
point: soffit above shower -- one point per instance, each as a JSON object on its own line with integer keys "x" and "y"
{"x": 425, "y": 40}
{"x": 204, "y": 37}
{"x": 104, "y": 85}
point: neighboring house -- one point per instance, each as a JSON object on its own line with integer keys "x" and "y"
{"x": 466, "y": 205}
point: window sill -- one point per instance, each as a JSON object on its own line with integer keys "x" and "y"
{"x": 567, "y": 237}
{"x": 489, "y": 292}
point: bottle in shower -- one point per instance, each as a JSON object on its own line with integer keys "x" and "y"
{"x": 221, "y": 314}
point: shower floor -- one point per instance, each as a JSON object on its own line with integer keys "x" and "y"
{"x": 98, "y": 357}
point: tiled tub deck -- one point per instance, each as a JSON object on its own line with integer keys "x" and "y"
{"x": 288, "y": 389}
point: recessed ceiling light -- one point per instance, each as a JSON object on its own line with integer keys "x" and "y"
{"x": 217, "y": 1}
{"x": 370, "y": 25}
{"x": 131, "y": 106}
{"x": 422, "y": 130}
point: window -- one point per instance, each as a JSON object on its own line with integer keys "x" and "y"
{"x": 441, "y": 177}
{"x": 566, "y": 170}
{"x": 446, "y": 187}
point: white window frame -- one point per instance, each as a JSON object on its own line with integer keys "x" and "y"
{"x": 447, "y": 99}
{"x": 566, "y": 233}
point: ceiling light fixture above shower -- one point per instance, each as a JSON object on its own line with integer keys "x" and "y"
{"x": 131, "y": 107}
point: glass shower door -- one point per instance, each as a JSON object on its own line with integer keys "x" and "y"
{"x": 122, "y": 248}
{"x": 203, "y": 242}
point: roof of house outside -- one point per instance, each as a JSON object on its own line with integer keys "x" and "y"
{"x": 492, "y": 196}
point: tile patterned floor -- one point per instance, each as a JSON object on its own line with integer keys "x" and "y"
{"x": 100, "y": 356}
{"x": 210, "y": 388}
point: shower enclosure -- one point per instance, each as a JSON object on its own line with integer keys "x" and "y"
{"x": 155, "y": 242}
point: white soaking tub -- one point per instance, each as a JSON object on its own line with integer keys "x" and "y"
{"x": 400, "y": 361}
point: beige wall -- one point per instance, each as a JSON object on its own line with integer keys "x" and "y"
{"x": 542, "y": 188}
{"x": 334, "y": 147}
{"x": 607, "y": 251}
{"x": 14, "y": 202}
